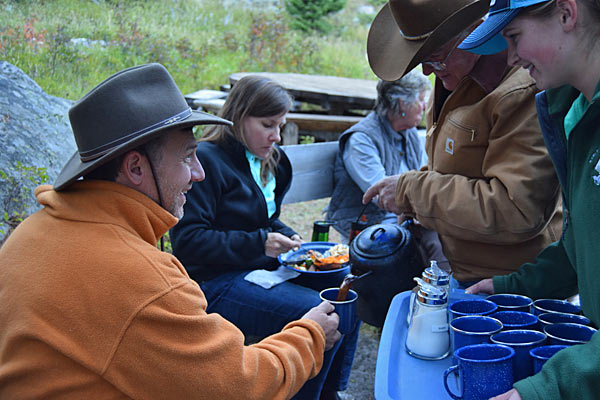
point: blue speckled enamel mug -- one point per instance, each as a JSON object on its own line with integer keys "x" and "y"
{"x": 473, "y": 329}
{"x": 539, "y": 355}
{"x": 569, "y": 334}
{"x": 542, "y": 306}
{"x": 512, "y": 320}
{"x": 345, "y": 309}
{"x": 511, "y": 302}
{"x": 461, "y": 308}
{"x": 521, "y": 341}
{"x": 484, "y": 371}
{"x": 561, "y": 318}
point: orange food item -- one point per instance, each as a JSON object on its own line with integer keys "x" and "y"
{"x": 333, "y": 260}
{"x": 328, "y": 263}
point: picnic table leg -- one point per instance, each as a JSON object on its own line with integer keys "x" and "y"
{"x": 289, "y": 134}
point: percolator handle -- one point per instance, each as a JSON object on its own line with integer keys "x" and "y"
{"x": 375, "y": 231}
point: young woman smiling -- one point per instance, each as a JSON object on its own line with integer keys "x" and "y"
{"x": 557, "y": 42}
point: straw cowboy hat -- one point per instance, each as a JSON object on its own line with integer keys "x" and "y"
{"x": 126, "y": 110}
{"x": 406, "y": 32}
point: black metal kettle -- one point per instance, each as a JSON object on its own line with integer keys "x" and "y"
{"x": 391, "y": 252}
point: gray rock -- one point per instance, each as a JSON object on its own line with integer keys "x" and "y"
{"x": 34, "y": 130}
{"x": 366, "y": 9}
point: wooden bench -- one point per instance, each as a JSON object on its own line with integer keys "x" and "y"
{"x": 313, "y": 165}
{"x": 321, "y": 122}
{"x": 323, "y": 126}
{"x": 206, "y": 100}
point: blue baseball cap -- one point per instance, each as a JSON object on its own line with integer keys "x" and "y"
{"x": 486, "y": 38}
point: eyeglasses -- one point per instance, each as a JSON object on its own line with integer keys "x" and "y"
{"x": 441, "y": 65}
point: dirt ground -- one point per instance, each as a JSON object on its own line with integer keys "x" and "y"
{"x": 362, "y": 377}
{"x": 300, "y": 216}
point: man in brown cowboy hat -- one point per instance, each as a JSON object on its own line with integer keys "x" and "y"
{"x": 489, "y": 188}
{"x": 91, "y": 308}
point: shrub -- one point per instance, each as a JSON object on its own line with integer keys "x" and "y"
{"x": 309, "y": 15}
{"x": 18, "y": 181}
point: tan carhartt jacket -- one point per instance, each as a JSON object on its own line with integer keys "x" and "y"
{"x": 489, "y": 188}
{"x": 91, "y": 309}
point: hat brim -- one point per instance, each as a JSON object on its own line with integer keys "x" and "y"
{"x": 75, "y": 168}
{"x": 391, "y": 56}
{"x": 486, "y": 38}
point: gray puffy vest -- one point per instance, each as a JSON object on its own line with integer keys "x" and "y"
{"x": 346, "y": 201}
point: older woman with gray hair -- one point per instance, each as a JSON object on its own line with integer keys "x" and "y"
{"x": 384, "y": 143}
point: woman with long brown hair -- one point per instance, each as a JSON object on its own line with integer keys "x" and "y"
{"x": 231, "y": 226}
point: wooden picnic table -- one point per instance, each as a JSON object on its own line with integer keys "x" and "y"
{"x": 343, "y": 102}
{"x": 336, "y": 95}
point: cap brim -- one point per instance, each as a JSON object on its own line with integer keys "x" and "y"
{"x": 75, "y": 168}
{"x": 486, "y": 38}
{"x": 496, "y": 44}
{"x": 391, "y": 56}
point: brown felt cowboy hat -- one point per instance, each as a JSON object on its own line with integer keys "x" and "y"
{"x": 126, "y": 110}
{"x": 406, "y": 32}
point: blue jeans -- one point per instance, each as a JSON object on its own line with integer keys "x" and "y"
{"x": 262, "y": 312}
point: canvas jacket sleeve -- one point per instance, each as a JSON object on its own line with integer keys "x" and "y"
{"x": 489, "y": 177}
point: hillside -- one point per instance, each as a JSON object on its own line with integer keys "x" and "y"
{"x": 69, "y": 46}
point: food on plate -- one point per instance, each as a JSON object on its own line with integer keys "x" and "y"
{"x": 339, "y": 250}
{"x": 334, "y": 258}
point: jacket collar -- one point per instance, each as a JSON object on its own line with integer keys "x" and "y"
{"x": 561, "y": 98}
{"x": 489, "y": 71}
{"x": 104, "y": 202}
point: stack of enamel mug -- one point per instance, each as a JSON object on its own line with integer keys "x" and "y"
{"x": 535, "y": 330}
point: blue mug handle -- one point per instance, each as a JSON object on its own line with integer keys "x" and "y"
{"x": 446, "y": 373}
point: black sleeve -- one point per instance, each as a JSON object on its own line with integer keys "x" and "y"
{"x": 222, "y": 226}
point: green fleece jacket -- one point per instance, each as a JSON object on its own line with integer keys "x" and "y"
{"x": 91, "y": 309}
{"x": 570, "y": 265}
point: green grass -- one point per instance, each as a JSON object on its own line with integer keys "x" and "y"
{"x": 201, "y": 42}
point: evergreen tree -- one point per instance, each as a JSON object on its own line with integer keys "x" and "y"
{"x": 310, "y": 14}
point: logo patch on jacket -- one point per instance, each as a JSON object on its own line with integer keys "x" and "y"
{"x": 596, "y": 178}
{"x": 449, "y": 146}
{"x": 595, "y": 158}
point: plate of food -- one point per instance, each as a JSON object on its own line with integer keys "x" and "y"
{"x": 317, "y": 258}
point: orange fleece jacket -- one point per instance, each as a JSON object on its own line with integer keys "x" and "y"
{"x": 92, "y": 309}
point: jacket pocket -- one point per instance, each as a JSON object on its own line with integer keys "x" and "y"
{"x": 460, "y": 147}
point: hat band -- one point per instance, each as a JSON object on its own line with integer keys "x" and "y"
{"x": 419, "y": 37}
{"x": 101, "y": 150}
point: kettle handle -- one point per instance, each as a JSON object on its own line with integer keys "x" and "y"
{"x": 376, "y": 231}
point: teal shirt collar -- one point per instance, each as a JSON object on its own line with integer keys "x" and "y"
{"x": 267, "y": 190}
{"x": 577, "y": 107}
